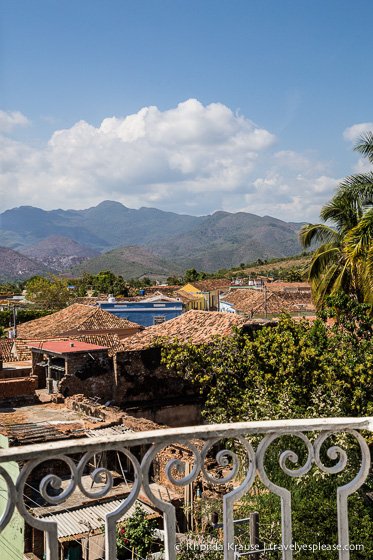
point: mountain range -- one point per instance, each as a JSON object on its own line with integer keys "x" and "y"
{"x": 141, "y": 242}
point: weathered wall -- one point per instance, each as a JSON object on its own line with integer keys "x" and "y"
{"x": 98, "y": 386}
{"x": 39, "y": 371}
{"x": 89, "y": 376}
{"x": 13, "y": 372}
{"x": 88, "y": 365}
{"x": 21, "y": 386}
{"x": 141, "y": 378}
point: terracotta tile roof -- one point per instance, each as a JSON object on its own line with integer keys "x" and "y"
{"x": 74, "y": 317}
{"x": 158, "y": 296}
{"x": 187, "y": 297}
{"x": 211, "y": 284}
{"x": 291, "y": 286}
{"x": 196, "y": 326}
{"x": 165, "y": 290}
{"x": 6, "y": 345}
{"x": 22, "y": 352}
{"x": 110, "y": 340}
{"x": 251, "y": 300}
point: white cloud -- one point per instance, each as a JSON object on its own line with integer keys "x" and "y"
{"x": 293, "y": 188}
{"x": 191, "y": 159}
{"x": 10, "y": 119}
{"x": 150, "y": 156}
{"x": 352, "y": 133}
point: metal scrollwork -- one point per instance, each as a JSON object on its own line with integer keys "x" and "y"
{"x": 344, "y": 491}
{"x": 50, "y": 527}
{"x": 230, "y": 499}
{"x": 167, "y": 508}
{"x": 284, "y": 494}
{"x": 96, "y": 477}
{"x": 333, "y": 453}
{"x": 177, "y": 475}
{"x": 112, "y": 518}
{"x": 11, "y": 502}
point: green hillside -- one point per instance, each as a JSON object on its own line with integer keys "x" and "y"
{"x": 130, "y": 262}
{"x": 226, "y": 240}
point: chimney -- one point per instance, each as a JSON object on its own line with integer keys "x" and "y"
{"x": 71, "y": 344}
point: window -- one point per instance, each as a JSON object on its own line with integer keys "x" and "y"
{"x": 158, "y": 319}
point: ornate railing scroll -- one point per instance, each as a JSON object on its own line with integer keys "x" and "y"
{"x": 156, "y": 441}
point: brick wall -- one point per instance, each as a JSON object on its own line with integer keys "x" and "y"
{"x": 17, "y": 387}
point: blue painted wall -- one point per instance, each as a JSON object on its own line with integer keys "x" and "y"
{"x": 143, "y": 313}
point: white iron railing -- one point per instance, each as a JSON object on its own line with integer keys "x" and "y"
{"x": 33, "y": 455}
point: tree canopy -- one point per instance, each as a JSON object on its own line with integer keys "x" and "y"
{"x": 344, "y": 258}
{"x": 294, "y": 370}
{"x": 49, "y": 293}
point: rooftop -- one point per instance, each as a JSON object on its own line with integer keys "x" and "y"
{"x": 251, "y": 301}
{"x": 211, "y": 284}
{"x": 75, "y": 317}
{"x": 196, "y": 326}
{"x": 76, "y": 522}
{"x": 66, "y": 347}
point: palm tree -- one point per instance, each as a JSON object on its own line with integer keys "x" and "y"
{"x": 344, "y": 258}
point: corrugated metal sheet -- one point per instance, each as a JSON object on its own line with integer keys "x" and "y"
{"x": 111, "y": 431}
{"x": 76, "y": 522}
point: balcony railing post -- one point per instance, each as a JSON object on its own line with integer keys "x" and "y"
{"x": 157, "y": 441}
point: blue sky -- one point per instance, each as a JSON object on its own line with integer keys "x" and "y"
{"x": 233, "y": 105}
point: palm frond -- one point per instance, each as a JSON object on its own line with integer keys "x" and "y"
{"x": 343, "y": 210}
{"x": 369, "y": 262}
{"x": 323, "y": 258}
{"x": 358, "y": 186}
{"x": 323, "y": 285}
{"x": 316, "y": 233}
{"x": 342, "y": 280}
{"x": 360, "y": 239}
{"x": 364, "y": 145}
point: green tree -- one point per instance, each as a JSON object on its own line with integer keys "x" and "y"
{"x": 49, "y": 293}
{"x": 291, "y": 370}
{"x": 137, "y": 533}
{"x": 173, "y": 281}
{"x": 191, "y": 275}
{"x": 304, "y": 370}
{"x": 344, "y": 259}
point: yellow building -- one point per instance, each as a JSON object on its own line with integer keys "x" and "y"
{"x": 207, "y": 291}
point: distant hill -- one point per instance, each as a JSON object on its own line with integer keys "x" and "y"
{"x": 130, "y": 262}
{"x": 224, "y": 240}
{"x": 109, "y": 225}
{"x": 208, "y": 243}
{"x": 59, "y": 253}
{"x": 17, "y": 267}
